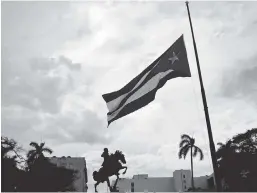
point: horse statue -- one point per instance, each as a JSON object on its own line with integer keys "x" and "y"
{"x": 112, "y": 167}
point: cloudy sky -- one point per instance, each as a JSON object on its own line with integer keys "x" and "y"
{"x": 59, "y": 58}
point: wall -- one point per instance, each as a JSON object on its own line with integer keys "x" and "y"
{"x": 180, "y": 182}
{"x": 153, "y": 184}
{"x": 124, "y": 185}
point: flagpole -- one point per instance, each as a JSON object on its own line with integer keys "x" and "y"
{"x": 211, "y": 142}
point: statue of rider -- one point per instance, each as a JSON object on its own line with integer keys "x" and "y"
{"x": 106, "y": 156}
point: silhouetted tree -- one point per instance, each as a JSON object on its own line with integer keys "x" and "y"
{"x": 188, "y": 143}
{"x": 42, "y": 175}
{"x": 10, "y": 158}
{"x": 37, "y": 153}
{"x": 45, "y": 176}
{"x": 226, "y": 149}
{"x": 237, "y": 160}
{"x": 246, "y": 142}
{"x": 10, "y": 146}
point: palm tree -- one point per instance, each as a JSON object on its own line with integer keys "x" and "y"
{"x": 188, "y": 143}
{"x": 37, "y": 153}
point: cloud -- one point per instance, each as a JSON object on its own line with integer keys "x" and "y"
{"x": 59, "y": 58}
{"x": 37, "y": 29}
{"x": 18, "y": 123}
{"x": 242, "y": 83}
{"x": 26, "y": 125}
{"x": 40, "y": 86}
{"x": 72, "y": 128}
{"x": 43, "y": 100}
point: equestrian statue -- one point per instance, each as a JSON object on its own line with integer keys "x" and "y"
{"x": 112, "y": 164}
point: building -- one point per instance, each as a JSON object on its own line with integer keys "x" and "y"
{"x": 180, "y": 182}
{"x": 75, "y": 163}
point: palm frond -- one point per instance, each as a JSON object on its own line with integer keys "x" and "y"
{"x": 42, "y": 145}
{"x": 186, "y": 137}
{"x": 183, "y": 151}
{"x": 183, "y": 142}
{"x": 34, "y": 144}
{"x": 196, "y": 151}
{"x": 48, "y": 150}
{"x": 186, "y": 151}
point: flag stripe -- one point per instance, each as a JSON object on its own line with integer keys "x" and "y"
{"x": 110, "y": 96}
{"x": 156, "y": 69}
{"x": 145, "y": 99}
{"x": 113, "y": 105}
{"x": 147, "y": 87}
{"x": 127, "y": 88}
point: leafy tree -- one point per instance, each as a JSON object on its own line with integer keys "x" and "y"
{"x": 246, "y": 142}
{"x": 10, "y": 158}
{"x": 237, "y": 160}
{"x": 39, "y": 175}
{"x": 10, "y": 146}
{"x": 188, "y": 143}
{"x": 45, "y": 176}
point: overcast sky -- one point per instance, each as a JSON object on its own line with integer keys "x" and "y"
{"x": 59, "y": 58}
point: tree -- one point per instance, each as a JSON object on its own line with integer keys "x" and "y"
{"x": 226, "y": 149}
{"x": 10, "y": 158}
{"x": 187, "y": 143}
{"x": 246, "y": 142}
{"x": 45, "y": 176}
{"x": 237, "y": 160}
{"x": 37, "y": 153}
{"x": 10, "y": 146}
{"x": 42, "y": 175}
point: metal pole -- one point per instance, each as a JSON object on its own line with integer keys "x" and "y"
{"x": 211, "y": 142}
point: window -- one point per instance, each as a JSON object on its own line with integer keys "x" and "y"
{"x": 185, "y": 187}
{"x": 132, "y": 187}
{"x": 184, "y": 176}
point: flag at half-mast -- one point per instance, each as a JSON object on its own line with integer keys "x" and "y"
{"x": 140, "y": 91}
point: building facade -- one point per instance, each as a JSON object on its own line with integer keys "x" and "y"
{"x": 75, "y": 163}
{"x": 180, "y": 182}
